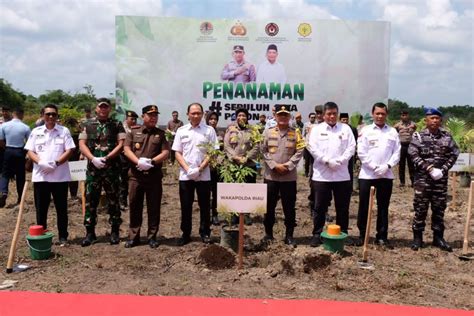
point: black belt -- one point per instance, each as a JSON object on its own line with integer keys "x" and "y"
{"x": 16, "y": 148}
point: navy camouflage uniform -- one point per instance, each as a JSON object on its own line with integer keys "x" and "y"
{"x": 427, "y": 151}
{"x": 101, "y": 139}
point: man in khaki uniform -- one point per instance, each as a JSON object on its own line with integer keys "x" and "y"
{"x": 282, "y": 149}
{"x": 146, "y": 147}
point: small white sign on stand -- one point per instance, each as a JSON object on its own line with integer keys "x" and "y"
{"x": 241, "y": 198}
{"x": 464, "y": 161}
{"x": 78, "y": 169}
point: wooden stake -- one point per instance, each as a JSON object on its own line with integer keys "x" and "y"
{"x": 468, "y": 219}
{"x": 453, "y": 187}
{"x": 369, "y": 221}
{"x": 241, "y": 240}
{"x": 11, "y": 256}
{"x": 83, "y": 197}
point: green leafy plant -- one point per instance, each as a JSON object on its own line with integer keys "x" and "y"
{"x": 463, "y": 136}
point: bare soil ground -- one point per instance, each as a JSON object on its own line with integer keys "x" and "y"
{"x": 429, "y": 277}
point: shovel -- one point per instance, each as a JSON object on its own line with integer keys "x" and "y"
{"x": 364, "y": 264}
{"x": 465, "y": 255}
{"x": 11, "y": 256}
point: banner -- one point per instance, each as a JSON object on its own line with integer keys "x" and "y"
{"x": 227, "y": 64}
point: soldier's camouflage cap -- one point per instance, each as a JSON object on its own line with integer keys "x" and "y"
{"x": 131, "y": 114}
{"x": 150, "y": 109}
{"x": 432, "y": 111}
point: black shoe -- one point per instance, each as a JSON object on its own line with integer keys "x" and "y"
{"x": 114, "y": 238}
{"x": 290, "y": 241}
{"x": 383, "y": 243}
{"x": 3, "y": 200}
{"x": 131, "y": 243}
{"x": 184, "y": 240}
{"x": 153, "y": 243}
{"x": 267, "y": 239}
{"x": 359, "y": 242}
{"x": 315, "y": 241}
{"x": 89, "y": 240}
{"x": 438, "y": 241}
{"x": 62, "y": 242}
{"x": 206, "y": 239}
{"x": 215, "y": 221}
{"x": 417, "y": 240}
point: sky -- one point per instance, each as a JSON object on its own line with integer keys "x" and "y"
{"x": 58, "y": 44}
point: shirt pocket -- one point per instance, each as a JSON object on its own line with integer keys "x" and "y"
{"x": 40, "y": 146}
{"x": 58, "y": 144}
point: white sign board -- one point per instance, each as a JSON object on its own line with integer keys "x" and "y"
{"x": 465, "y": 160}
{"x": 241, "y": 197}
{"x": 77, "y": 169}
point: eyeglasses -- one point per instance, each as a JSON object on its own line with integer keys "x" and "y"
{"x": 52, "y": 114}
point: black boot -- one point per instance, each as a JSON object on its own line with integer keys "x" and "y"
{"x": 417, "y": 240}
{"x": 115, "y": 235}
{"x": 268, "y": 235}
{"x": 438, "y": 241}
{"x": 289, "y": 240}
{"x": 90, "y": 237}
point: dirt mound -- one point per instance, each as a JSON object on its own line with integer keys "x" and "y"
{"x": 216, "y": 257}
{"x": 316, "y": 262}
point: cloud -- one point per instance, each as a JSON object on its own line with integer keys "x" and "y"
{"x": 52, "y": 44}
{"x": 263, "y": 9}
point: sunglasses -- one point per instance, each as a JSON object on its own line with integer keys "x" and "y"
{"x": 52, "y": 114}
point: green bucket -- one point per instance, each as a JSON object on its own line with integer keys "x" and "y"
{"x": 40, "y": 246}
{"x": 334, "y": 243}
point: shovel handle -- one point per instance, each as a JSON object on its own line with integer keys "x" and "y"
{"x": 12, "y": 253}
{"x": 369, "y": 220}
{"x": 468, "y": 219}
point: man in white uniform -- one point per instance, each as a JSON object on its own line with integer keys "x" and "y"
{"x": 378, "y": 149}
{"x": 331, "y": 144}
{"x": 49, "y": 147}
{"x": 271, "y": 70}
{"x": 194, "y": 172}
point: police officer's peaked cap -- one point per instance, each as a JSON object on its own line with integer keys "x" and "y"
{"x": 131, "y": 114}
{"x": 344, "y": 115}
{"x": 281, "y": 108}
{"x": 150, "y": 109}
{"x": 238, "y": 48}
{"x": 433, "y": 111}
{"x": 243, "y": 111}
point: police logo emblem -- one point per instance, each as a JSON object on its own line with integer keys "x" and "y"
{"x": 137, "y": 146}
{"x": 206, "y": 28}
{"x": 272, "y": 29}
{"x": 238, "y": 29}
{"x": 304, "y": 29}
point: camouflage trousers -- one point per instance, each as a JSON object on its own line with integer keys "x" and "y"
{"x": 109, "y": 180}
{"x": 430, "y": 192}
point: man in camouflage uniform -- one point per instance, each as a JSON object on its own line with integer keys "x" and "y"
{"x": 101, "y": 142}
{"x": 282, "y": 149}
{"x": 433, "y": 152}
{"x": 128, "y": 124}
{"x": 146, "y": 147}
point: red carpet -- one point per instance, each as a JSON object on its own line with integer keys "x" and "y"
{"x": 32, "y": 303}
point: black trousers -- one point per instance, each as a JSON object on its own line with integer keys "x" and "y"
{"x": 405, "y": 160}
{"x": 308, "y": 162}
{"x": 186, "y": 197}
{"x": 214, "y": 179}
{"x": 42, "y": 193}
{"x": 383, "y": 193}
{"x": 323, "y": 192}
{"x": 287, "y": 192}
{"x": 13, "y": 166}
